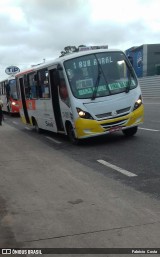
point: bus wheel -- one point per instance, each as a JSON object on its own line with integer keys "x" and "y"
{"x": 130, "y": 132}
{"x": 37, "y": 129}
{"x": 71, "y": 134}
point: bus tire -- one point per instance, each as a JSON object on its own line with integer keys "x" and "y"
{"x": 71, "y": 134}
{"x": 130, "y": 131}
{"x": 37, "y": 129}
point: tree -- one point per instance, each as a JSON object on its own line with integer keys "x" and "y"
{"x": 70, "y": 49}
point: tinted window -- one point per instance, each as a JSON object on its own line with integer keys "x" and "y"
{"x": 102, "y": 73}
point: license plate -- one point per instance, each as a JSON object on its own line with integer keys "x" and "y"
{"x": 114, "y": 129}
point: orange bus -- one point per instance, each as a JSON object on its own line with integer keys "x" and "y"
{"x": 8, "y": 94}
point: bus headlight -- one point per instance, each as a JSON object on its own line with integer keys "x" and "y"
{"x": 13, "y": 103}
{"x": 138, "y": 103}
{"x": 84, "y": 114}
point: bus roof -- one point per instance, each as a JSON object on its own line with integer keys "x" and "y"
{"x": 64, "y": 58}
{"x": 87, "y": 52}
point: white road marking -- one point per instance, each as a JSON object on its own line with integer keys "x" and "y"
{"x": 155, "y": 130}
{"x": 15, "y": 122}
{"x": 151, "y": 103}
{"x": 54, "y": 140}
{"x": 114, "y": 167}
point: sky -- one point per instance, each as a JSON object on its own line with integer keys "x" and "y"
{"x": 34, "y": 31}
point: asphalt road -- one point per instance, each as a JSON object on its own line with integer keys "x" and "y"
{"x": 139, "y": 155}
{"x": 104, "y": 192}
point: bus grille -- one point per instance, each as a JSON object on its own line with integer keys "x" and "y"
{"x": 114, "y": 124}
{"x": 120, "y": 113}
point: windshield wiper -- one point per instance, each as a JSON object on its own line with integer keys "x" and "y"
{"x": 100, "y": 72}
{"x": 128, "y": 84}
{"x": 97, "y": 82}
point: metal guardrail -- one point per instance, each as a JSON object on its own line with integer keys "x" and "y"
{"x": 150, "y": 86}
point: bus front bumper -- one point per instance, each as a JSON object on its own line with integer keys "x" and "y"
{"x": 85, "y": 128}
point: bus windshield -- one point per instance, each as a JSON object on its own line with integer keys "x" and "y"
{"x": 99, "y": 75}
{"x": 13, "y": 89}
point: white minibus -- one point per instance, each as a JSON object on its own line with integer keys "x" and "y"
{"x": 85, "y": 94}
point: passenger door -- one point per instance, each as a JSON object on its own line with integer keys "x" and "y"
{"x": 54, "y": 82}
{"x": 21, "y": 84}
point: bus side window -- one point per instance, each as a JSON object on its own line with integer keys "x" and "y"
{"x": 4, "y": 88}
{"x": 63, "y": 89}
{"x": 32, "y": 86}
{"x": 46, "y": 85}
{"x": 26, "y": 87}
{"x": 18, "y": 89}
{"x": 7, "y": 90}
{"x": 63, "y": 92}
{"x": 43, "y": 84}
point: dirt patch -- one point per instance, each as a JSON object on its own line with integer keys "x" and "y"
{"x": 7, "y": 238}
